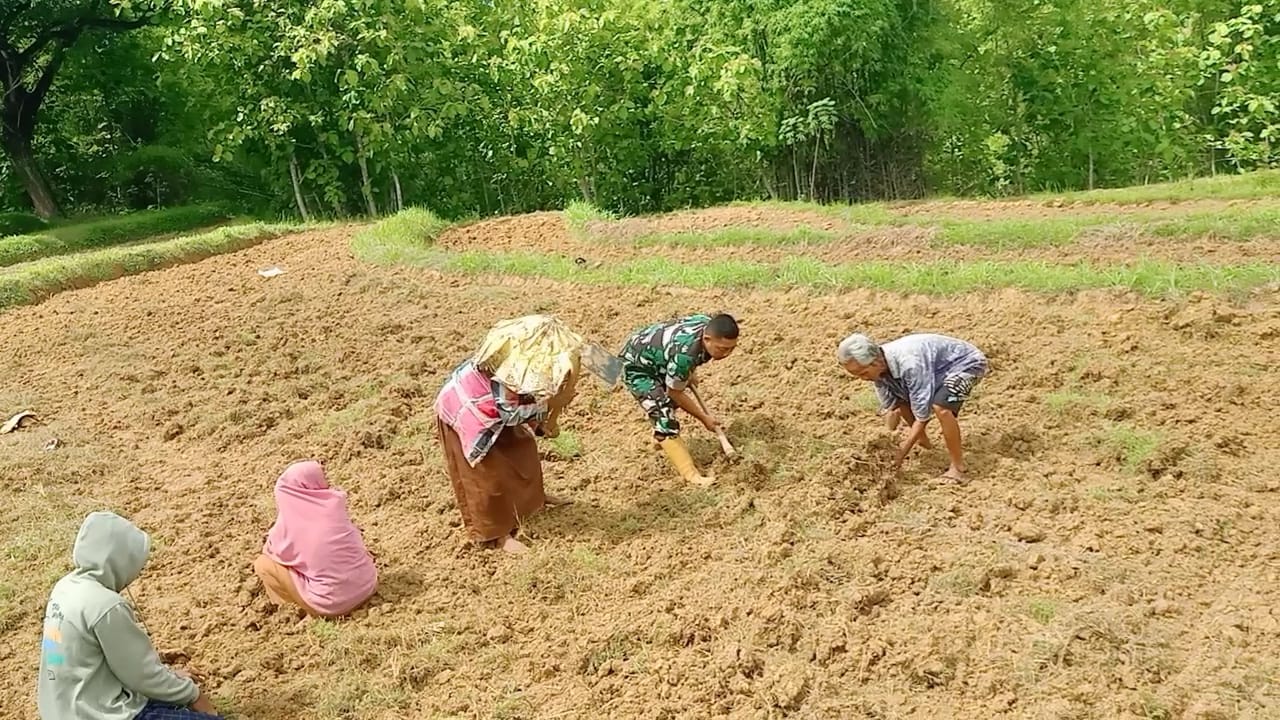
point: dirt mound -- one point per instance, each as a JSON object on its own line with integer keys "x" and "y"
{"x": 604, "y": 242}
{"x": 538, "y": 232}
{"x": 1112, "y": 555}
{"x": 713, "y": 219}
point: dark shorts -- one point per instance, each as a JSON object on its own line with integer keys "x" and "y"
{"x": 954, "y": 391}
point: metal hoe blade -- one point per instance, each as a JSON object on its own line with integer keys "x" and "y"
{"x": 601, "y": 363}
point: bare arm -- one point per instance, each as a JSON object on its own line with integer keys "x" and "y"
{"x": 896, "y": 415}
{"x": 133, "y": 660}
{"x": 685, "y": 401}
{"x": 556, "y": 404}
{"x": 913, "y": 437}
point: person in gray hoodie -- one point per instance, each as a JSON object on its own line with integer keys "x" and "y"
{"x": 97, "y": 662}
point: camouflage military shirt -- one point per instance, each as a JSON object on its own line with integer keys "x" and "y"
{"x": 659, "y": 358}
{"x": 664, "y": 354}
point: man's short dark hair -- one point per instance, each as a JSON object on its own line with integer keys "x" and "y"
{"x": 723, "y": 326}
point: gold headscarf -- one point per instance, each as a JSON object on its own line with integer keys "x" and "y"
{"x": 531, "y": 355}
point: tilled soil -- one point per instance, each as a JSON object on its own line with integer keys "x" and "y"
{"x": 1115, "y": 555}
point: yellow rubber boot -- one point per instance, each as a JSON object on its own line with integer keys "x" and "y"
{"x": 679, "y": 456}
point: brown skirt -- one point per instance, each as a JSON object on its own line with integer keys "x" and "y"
{"x": 501, "y": 489}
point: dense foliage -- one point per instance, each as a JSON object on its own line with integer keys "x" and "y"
{"x": 335, "y": 107}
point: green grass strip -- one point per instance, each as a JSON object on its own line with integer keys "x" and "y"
{"x": 34, "y": 281}
{"x": 1244, "y": 186}
{"x": 409, "y": 239}
{"x": 1233, "y": 226}
{"x": 739, "y": 236}
{"x": 1254, "y": 185}
{"x": 1013, "y": 233}
{"x": 105, "y": 232}
{"x": 1002, "y": 235}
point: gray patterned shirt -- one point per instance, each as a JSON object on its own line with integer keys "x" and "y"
{"x": 919, "y": 363}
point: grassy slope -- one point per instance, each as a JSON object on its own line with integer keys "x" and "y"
{"x": 33, "y": 281}
{"x": 69, "y": 237}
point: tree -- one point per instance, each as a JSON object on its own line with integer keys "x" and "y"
{"x": 35, "y": 36}
{"x": 1242, "y": 58}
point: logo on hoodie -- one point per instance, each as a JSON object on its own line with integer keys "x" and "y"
{"x": 51, "y": 648}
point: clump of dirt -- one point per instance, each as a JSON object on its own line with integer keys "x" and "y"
{"x": 877, "y": 453}
{"x": 1204, "y": 317}
{"x": 1018, "y": 440}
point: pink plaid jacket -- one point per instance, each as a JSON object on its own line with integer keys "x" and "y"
{"x": 478, "y": 407}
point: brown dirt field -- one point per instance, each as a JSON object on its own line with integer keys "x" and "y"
{"x": 1116, "y": 555}
{"x": 608, "y": 242}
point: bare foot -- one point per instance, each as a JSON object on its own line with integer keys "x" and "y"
{"x": 514, "y": 546}
{"x": 556, "y": 500}
{"x": 954, "y": 475}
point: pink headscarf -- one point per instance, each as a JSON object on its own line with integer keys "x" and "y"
{"x": 314, "y": 537}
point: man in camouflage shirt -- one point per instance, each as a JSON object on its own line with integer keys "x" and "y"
{"x": 658, "y": 367}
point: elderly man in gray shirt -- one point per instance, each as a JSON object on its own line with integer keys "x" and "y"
{"x": 918, "y": 376}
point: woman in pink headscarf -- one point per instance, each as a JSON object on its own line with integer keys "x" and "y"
{"x": 314, "y": 556}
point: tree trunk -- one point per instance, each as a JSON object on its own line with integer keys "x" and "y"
{"x": 586, "y": 187}
{"x": 20, "y": 103}
{"x": 395, "y": 180}
{"x": 365, "y": 187}
{"x": 1090, "y": 168}
{"x": 813, "y": 171}
{"x": 766, "y": 174}
{"x": 28, "y": 171}
{"x": 296, "y": 176}
{"x": 795, "y": 173}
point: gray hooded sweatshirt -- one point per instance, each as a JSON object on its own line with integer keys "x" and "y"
{"x": 97, "y": 663}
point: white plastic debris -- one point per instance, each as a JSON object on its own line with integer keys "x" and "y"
{"x": 270, "y": 272}
{"x": 15, "y": 422}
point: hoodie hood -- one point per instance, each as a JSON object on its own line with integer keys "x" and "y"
{"x": 110, "y": 550}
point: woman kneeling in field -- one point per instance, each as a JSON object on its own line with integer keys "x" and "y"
{"x": 314, "y": 556}
{"x": 520, "y": 380}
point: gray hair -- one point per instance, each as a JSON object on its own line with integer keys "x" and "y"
{"x": 859, "y": 348}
